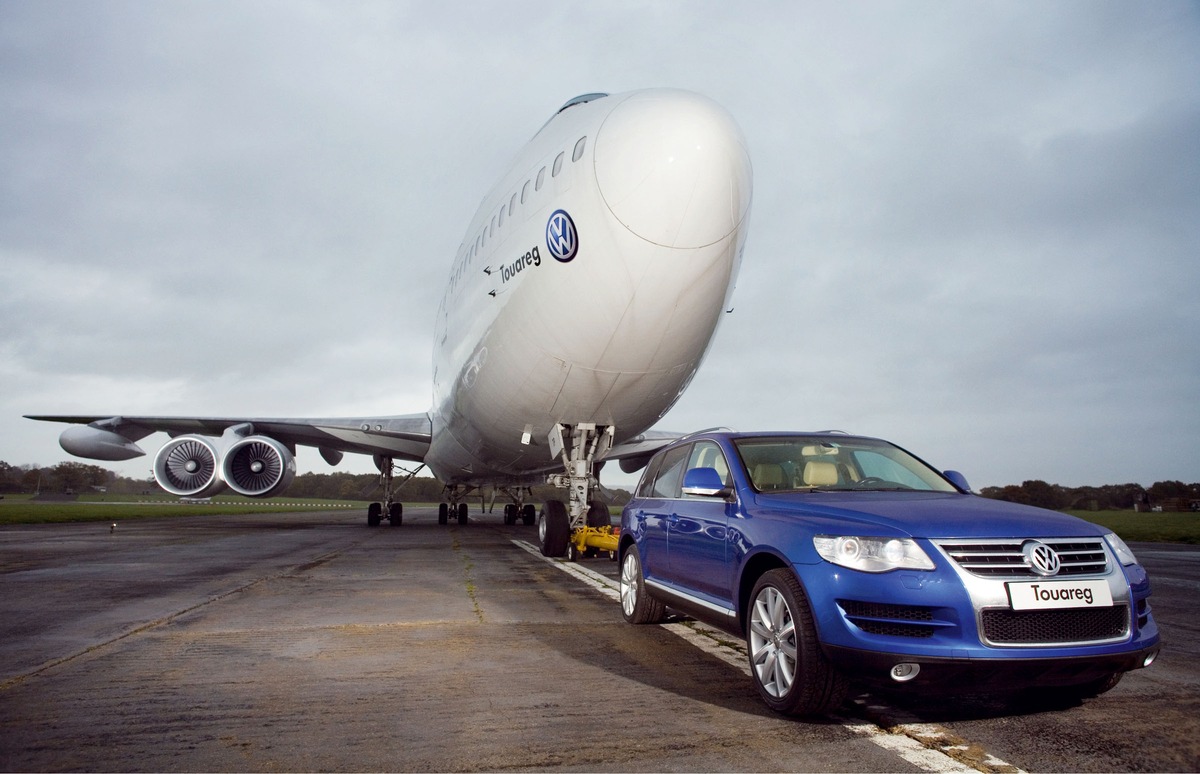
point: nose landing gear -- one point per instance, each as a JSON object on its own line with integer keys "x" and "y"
{"x": 579, "y": 527}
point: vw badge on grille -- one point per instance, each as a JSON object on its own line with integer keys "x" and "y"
{"x": 1042, "y": 558}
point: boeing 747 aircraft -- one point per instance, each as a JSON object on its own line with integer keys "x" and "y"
{"x": 579, "y": 306}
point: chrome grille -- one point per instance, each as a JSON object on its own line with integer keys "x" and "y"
{"x": 1004, "y": 558}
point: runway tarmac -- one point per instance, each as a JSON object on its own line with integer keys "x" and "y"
{"x": 310, "y": 641}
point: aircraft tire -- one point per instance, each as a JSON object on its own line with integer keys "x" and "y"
{"x": 510, "y": 514}
{"x": 554, "y": 529}
{"x": 443, "y": 513}
{"x": 529, "y": 515}
{"x": 597, "y": 515}
{"x": 374, "y": 514}
{"x": 396, "y": 514}
{"x": 462, "y": 514}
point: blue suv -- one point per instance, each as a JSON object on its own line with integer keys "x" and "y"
{"x": 842, "y": 558}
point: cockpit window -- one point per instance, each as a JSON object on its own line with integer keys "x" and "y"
{"x": 582, "y": 98}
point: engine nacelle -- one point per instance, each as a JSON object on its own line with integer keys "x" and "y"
{"x": 188, "y": 466}
{"x": 96, "y": 443}
{"x": 258, "y": 466}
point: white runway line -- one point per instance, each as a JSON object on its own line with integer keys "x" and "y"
{"x": 926, "y": 746}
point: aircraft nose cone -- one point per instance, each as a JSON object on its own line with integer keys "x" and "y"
{"x": 672, "y": 167}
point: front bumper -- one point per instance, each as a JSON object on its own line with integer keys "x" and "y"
{"x": 987, "y": 675}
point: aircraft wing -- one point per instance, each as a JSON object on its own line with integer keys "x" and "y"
{"x": 637, "y": 451}
{"x": 106, "y": 437}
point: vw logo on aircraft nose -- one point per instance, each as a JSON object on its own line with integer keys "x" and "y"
{"x": 561, "y": 239}
{"x": 1042, "y": 558}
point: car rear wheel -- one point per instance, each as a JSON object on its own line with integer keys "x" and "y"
{"x": 637, "y": 606}
{"x": 790, "y": 671}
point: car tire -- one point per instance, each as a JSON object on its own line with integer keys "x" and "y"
{"x": 637, "y": 606}
{"x": 789, "y": 669}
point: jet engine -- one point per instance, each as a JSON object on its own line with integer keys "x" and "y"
{"x": 258, "y": 466}
{"x": 188, "y": 466}
{"x": 201, "y": 466}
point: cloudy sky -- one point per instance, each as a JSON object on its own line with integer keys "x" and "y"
{"x": 976, "y": 226}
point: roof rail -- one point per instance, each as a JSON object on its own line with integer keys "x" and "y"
{"x": 721, "y": 429}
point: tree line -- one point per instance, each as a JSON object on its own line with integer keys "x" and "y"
{"x": 80, "y": 478}
{"x": 65, "y": 477}
{"x": 1168, "y": 495}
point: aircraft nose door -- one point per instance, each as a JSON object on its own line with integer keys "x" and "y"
{"x": 684, "y": 178}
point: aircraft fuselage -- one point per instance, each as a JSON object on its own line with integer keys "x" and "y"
{"x": 590, "y": 281}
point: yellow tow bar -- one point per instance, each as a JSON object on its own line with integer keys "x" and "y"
{"x": 598, "y": 538}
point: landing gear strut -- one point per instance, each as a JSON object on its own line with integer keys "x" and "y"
{"x": 580, "y": 524}
{"x": 393, "y": 511}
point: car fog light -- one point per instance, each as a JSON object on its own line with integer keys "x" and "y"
{"x": 902, "y": 673}
{"x": 1150, "y": 659}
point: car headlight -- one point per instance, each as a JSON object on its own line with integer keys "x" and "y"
{"x": 1124, "y": 554}
{"x": 872, "y": 554}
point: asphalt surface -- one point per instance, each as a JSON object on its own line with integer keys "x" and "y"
{"x": 312, "y": 642}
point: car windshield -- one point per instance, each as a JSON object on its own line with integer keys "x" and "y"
{"x": 824, "y": 463}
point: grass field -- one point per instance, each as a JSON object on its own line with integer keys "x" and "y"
{"x": 22, "y": 509}
{"x": 1147, "y": 527}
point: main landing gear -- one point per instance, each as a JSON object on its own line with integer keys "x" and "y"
{"x": 579, "y": 527}
{"x": 456, "y": 508}
{"x": 393, "y": 511}
{"x": 518, "y": 509}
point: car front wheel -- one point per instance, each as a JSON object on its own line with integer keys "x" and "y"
{"x": 790, "y": 671}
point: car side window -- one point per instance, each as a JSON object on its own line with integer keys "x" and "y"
{"x": 706, "y": 454}
{"x": 646, "y": 485}
{"x": 670, "y": 473}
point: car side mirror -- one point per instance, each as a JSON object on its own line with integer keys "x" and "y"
{"x": 958, "y": 479}
{"x": 705, "y": 482}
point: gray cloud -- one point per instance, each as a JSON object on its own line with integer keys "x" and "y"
{"x": 975, "y": 226}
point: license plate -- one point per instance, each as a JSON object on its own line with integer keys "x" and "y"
{"x": 1054, "y": 595}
